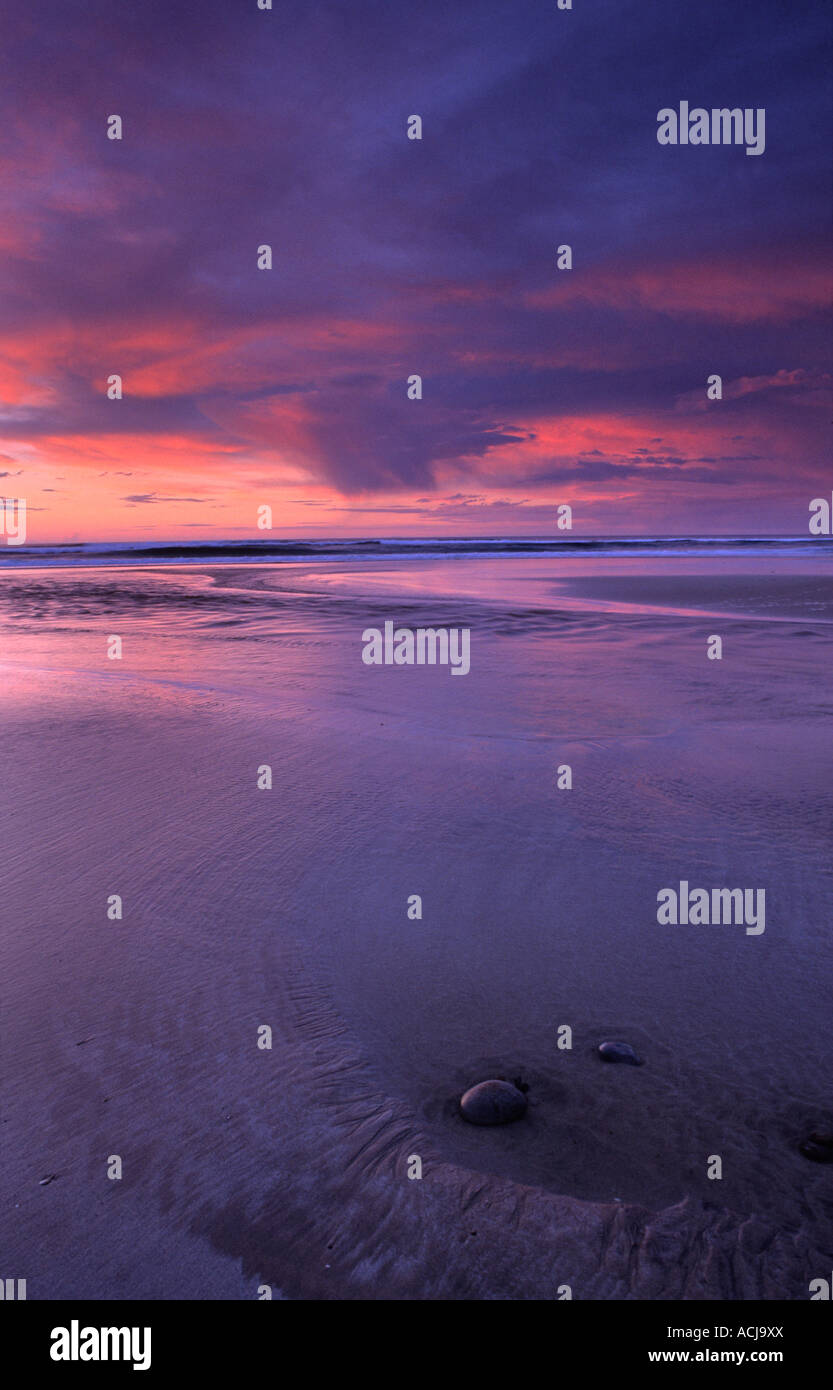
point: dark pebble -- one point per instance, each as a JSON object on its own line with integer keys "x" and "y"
{"x": 619, "y": 1052}
{"x": 493, "y": 1103}
{"x": 818, "y": 1147}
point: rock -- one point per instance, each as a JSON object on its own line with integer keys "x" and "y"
{"x": 493, "y": 1103}
{"x": 818, "y": 1147}
{"x": 619, "y": 1052}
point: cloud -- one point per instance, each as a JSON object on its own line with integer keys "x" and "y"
{"x": 804, "y": 388}
{"x": 394, "y": 257}
{"x": 155, "y": 497}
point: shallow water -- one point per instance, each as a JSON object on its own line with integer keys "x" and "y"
{"x": 288, "y": 907}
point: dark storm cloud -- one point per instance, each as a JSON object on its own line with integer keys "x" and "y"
{"x": 288, "y": 127}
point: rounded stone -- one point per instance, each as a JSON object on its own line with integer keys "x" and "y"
{"x": 619, "y": 1052}
{"x": 818, "y": 1147}
{"x": 493, "y": 1103}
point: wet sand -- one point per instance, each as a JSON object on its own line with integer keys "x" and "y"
{"x": 288, "y": 908}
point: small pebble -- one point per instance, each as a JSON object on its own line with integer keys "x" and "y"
{"x": 619, "y": 1052}
{"x": 818, "y": 1147}
{"x": 493, "y": 1103}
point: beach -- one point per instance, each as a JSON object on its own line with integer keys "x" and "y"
{"x": 246, "y": 1167}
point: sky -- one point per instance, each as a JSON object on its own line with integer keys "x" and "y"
{"x": 394, "y": 257}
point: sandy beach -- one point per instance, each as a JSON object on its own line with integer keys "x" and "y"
{"x": 242, "y": 907}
